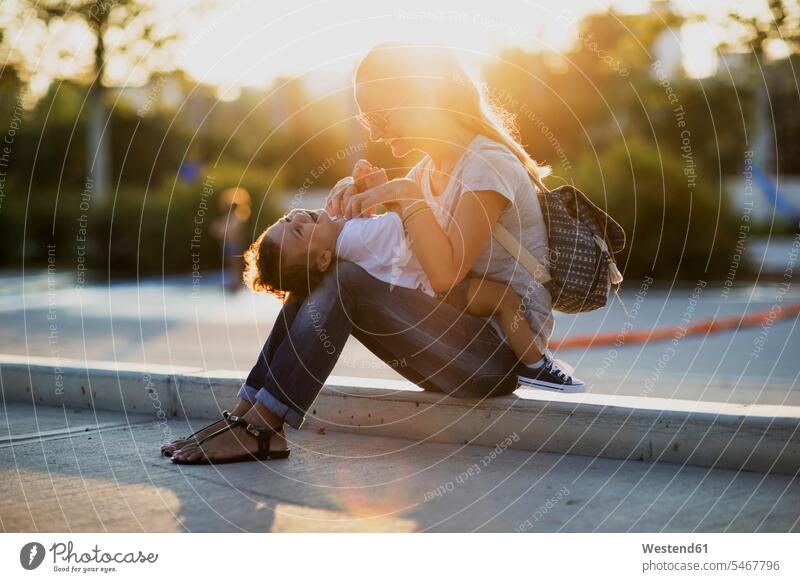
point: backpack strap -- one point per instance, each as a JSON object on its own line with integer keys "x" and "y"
{"x": 522, "y": 255}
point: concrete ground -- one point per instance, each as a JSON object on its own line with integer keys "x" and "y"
{"x": 164, "y": 322}
{"x": 74, "y": 470}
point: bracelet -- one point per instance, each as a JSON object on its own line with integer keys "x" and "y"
{"x": 417, "y": 212}
{"x": 411, "y": 206}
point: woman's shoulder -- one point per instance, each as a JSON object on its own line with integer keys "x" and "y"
{"x": 486, "y": 153}
{"x": 484, "y": 145}
{"x": 488, "y": 159}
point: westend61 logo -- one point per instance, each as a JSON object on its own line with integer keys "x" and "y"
{"x": 66, "y": 559}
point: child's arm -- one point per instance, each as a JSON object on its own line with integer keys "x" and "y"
{"x": 491, "y": 299}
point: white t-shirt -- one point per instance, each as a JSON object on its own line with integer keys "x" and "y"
{"x": 378, "y": 245}
{"x": 489, "y": 165}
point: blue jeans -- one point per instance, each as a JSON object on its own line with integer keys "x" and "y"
{"x": 429, "y": 342}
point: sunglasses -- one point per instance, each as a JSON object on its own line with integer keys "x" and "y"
{"x": 378, "y": 119}
{"x": 374, "y": 120}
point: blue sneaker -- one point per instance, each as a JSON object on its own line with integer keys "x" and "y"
{"x": 550, "y": 376}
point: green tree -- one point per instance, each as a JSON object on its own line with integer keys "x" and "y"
{"x": 754, "y": 32}
{"x": 677, "y": 225}
{"x": 138, "y": 38}
{"x": 781, "y": 21}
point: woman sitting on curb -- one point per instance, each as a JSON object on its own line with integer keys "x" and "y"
{"x": 474, "y": 174}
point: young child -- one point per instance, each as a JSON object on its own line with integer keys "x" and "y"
{"x": 293, "y": 254}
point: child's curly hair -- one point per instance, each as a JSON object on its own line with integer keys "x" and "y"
{"x": 263, "y": 271}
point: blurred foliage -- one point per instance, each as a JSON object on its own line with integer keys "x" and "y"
{"x": 167, "y": 179}
{"x": 599, "y": 114}
{"x": 142, "y": 233}
{"x": 781, "y": 22}
{"x": 674, "y": 229}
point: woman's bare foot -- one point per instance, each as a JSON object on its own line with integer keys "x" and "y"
{"x": 236, "y": 441}
{"x": 240, "y": 409}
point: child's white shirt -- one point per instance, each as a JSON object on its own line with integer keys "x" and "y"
{"x": 378, "y": 245}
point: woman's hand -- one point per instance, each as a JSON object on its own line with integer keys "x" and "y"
{"x": 339, "y": 196}
{"x": 395, "y": 195}
{"x": 368, "y": 176}
{"x": 364, "y": 177}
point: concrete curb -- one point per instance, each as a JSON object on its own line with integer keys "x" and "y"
{"x": 749, "y": 437}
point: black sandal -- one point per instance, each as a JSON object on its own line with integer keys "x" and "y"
{"x": 263, "y": 434}
{"x": 167, "y": 452}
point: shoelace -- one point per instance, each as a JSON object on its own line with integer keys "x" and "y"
{"x": 558, "y": 372}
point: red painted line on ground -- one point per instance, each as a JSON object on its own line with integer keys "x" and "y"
{"x": 704, "y": 326}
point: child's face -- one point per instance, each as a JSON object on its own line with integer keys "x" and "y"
{"x": 306, "y": 237}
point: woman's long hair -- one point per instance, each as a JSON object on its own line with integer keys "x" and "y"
{"x": 410, "y": 68}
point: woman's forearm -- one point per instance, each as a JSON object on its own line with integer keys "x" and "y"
{"x": 434, "y": 251}
{"x": 439, "y": 257}
{"x": 447, "y": 257}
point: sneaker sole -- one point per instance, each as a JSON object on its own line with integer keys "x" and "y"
{"x": 531, "y": 383}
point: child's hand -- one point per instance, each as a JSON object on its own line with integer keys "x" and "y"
{"x": 368, "y": 176}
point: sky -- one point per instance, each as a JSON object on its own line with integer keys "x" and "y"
{"x": 247, "y": 43}
{"x": 289, "y": 37}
